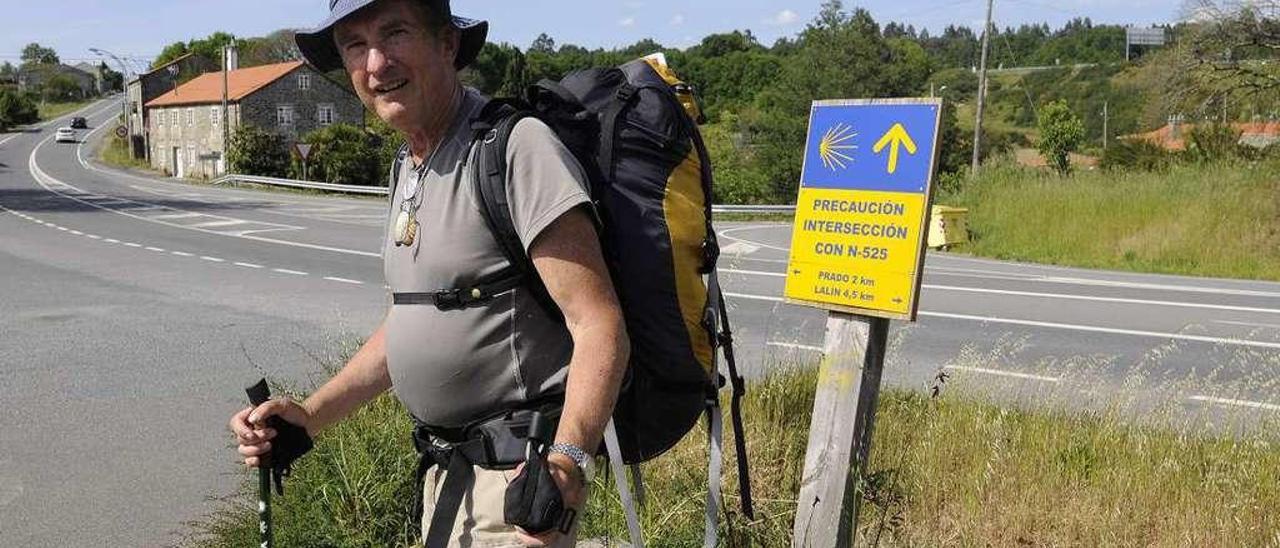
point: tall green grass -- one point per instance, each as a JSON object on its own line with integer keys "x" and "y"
{"x": 952, "y": 470}
{"x": 49, "y": 111}
{"x": 1220, "y": 219}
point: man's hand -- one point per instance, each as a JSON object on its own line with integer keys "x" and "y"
{"x": 252, "y": 433}
{"x": 574, "y": 492}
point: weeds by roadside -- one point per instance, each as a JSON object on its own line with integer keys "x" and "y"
{"x": 949, "y": 467}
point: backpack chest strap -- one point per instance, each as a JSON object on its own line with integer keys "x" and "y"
{"x": 459, "y": 298}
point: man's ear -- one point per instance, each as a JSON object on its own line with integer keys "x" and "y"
{"x": 452, "y": 40}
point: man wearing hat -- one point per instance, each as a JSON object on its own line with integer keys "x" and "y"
{"x": 454, "y": 366}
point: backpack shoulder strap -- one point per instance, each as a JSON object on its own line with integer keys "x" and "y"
{"x": 491, "y": 132}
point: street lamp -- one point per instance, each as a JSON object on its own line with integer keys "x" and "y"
{"x": 125, "y": 110}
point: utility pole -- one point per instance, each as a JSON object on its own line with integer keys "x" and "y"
{"x": 982, "y": 92}
{"x": 1105, "y": 119}
{"x": 227, "y": 63}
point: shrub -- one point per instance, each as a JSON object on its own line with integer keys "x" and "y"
{"x": 1210, "y": 142}
{"x": 16, "y": 108}
{"x": 344, "y": 154}
{"x": 255, "y": 151}
{"x": 1061, "y": 132}
{"x": 1135, "y": 154}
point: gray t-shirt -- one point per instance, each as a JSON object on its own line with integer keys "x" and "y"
{"x": 453, "y": 367}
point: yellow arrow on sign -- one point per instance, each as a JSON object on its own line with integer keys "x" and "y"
{"x": 897, "y": 137}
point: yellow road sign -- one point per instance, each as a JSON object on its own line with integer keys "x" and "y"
{"x": 861, "y": 216}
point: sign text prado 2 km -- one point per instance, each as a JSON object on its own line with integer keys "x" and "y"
{"x": 862, "y": 215}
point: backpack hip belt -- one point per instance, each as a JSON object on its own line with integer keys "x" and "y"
{"x": 497, "y": 443}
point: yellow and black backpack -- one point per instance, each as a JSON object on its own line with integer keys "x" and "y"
{"x": 634, "y": 129}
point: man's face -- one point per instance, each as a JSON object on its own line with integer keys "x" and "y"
{"x": 401, "y": 71}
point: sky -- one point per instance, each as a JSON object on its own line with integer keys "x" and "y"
{"x": 139, "y": 29}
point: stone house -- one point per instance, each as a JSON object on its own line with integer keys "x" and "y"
{"x": 291, "y": 99}
{"x": 32, "y": 78}
{"x": 150, "y": 85}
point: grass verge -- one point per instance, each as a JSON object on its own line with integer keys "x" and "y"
{"x": 1219, "y": 220}
{"x": 49, "y": 111}
{"x": 114, "y": 152}
{"x": 952, "y": 470}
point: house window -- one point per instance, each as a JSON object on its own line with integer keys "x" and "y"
{"x": 304, "y": 81}
{"x": 324, "y": 114}
{"x": 159, "y": 119}
{"x": 191, "y": 117}
{"x": 174, "y": 115}
{"x": 215, "y": 116}
{"x": 284, "y": 115}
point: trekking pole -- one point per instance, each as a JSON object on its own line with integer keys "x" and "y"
{"x": 259, "y": 394}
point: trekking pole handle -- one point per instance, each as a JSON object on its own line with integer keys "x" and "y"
{"x": 259, "y": 394}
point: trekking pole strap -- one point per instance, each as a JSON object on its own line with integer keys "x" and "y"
{"x": 458, "y": 480}
{"x": 614, "y": 449}
{"x": 725, "y": 340}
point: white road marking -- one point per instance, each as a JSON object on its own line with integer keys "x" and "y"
{"x": 1249, "y": 324}
{"x": 1103, "y": 299}
{"x": 177, "y": 216}
{"x": 156, "y": 249}
{"x": 1119, "y": 300}
{"x": 287, "y": 271}
{"x": 753, "y": 273}
{"x": 131, "y": 244}
{"x": 1071, "y": 280}
{"x": 111, "y": 241}
{"x": 738, "y": 248}
{"x": 77, "y": 233}
{"x": 94, "y": 236}
{"x": 62, "y": 228}
{"x": 1000, "y": 373}
{"x": 182, "y": 253}
{"x": 1237, "y": 403}
{"x": 727, "y": 234}
{"x": 212, "y": 259}
{"x": 1064, "y": 326}
{"x": 211, "y": 224}
{"x": 249, "y": 265}
{"x": 793, "y": 346}
{"x": 344, "y": 280}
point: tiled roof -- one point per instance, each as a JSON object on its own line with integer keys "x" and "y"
{"x": 207, "y": 88}
{"x": 1172, "y": 139}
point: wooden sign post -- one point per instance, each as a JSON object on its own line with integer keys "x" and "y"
{"x": 857, "y": 250}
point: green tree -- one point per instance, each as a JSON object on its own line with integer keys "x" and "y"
{"x": 1061, "y": 132}
{"x": 344, "y": 154}
{"x": 543, "y": 44}
{"x": 842, "y": 55}
{"x": 17, "y": 108}
{"x": 35, "y": 54}
{"x": 255, "y": 151}
{"x": 60, "y": 87}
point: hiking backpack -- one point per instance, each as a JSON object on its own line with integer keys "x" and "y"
{"x": 634, "y": 131}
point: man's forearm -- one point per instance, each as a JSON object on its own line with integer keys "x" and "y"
{"x": 596, "y": 371}
{"x": 360, "y": 380}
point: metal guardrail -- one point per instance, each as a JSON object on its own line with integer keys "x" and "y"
{"x": 382, "y": 191}
{"x": 294, "y": 183}
{"x": 754, "y": 209}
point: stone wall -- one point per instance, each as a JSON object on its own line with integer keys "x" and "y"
{"x": 195, "y": 130}
{"x": 260, "y": 108}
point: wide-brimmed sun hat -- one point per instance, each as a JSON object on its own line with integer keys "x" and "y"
{"x": 317, "y": 45}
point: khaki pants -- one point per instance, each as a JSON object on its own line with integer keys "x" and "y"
{"x": 480, "y": 522}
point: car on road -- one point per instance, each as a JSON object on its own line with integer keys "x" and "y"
{"x": 79, "y": 123}
{"x": 65, "y": 135}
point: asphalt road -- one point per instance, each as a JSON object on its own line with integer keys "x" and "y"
{"x": 135, "y": 309}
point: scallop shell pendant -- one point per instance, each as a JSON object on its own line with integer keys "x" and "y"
{"x": 406, "y": 229}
